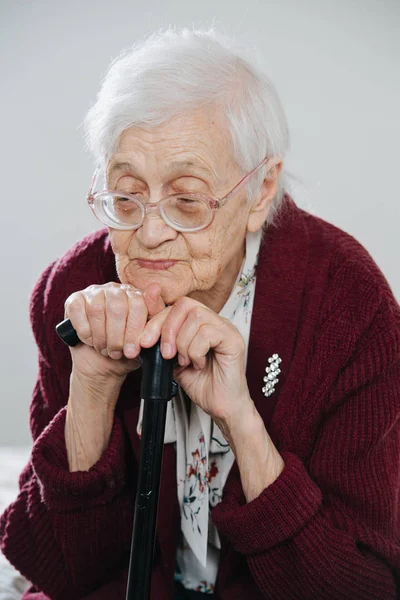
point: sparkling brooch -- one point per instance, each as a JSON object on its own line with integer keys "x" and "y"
{"x": 272, "y": 372}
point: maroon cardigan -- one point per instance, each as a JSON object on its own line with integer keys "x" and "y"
{"x": 328, "y": 527}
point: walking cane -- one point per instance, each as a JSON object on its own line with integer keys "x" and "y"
{"x": 156, "y": 390}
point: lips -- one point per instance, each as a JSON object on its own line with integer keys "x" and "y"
{"x": 157, "y": 265}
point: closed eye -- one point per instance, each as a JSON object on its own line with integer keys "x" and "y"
{"x": 187, "y": 200}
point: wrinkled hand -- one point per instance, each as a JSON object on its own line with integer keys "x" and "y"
{"x": 211, "y": 357}
{"x": 109, "y": 320}
{"x": 114, "y": 321}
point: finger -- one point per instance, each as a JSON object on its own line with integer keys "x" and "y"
{"x": 152, "y": 296}
{"x": 95, "y": 313}
{"x": 152, "y": 331}
{"x": 179, "y": 313}
{"x": 199, "y": 348}
{"x": 186, "y": 334}
{"x": 135, "y": 323}
{"x": 75, "y": 310}
{"x": 196, "y": 339}
{"x": 116, "y": 315}
{"x": 224, "y": 338}
{"x": 202, "y": 332}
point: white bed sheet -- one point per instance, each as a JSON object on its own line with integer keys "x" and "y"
{"x": 12, "y": 462}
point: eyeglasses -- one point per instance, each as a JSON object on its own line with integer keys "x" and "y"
{"x": 183, "y": 211}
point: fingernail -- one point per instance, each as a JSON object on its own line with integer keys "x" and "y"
{"x": 104, "y": 352}
{"x": 116, "y": 354}
{"x": 166, "y": 350}
{"x": 130, "y": 350}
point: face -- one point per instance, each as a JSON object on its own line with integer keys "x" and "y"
{"x": 188, "y": 154}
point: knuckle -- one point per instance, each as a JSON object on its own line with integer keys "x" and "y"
{"x": 133, "y": 330}
{"x": 117, "y": 310}
{"x": 197, "y": 313}
{"x": 128, "y": 287}
{"x": 90, "y": 289}
{"x": 236, "y": 337}
{"x": 114, "y": 290}
{"x": 205, "y": 330}
{"x": 227, "y": 326}
{"x": 95, "y": 309}
{"x": 132, "y": 336}
{"x": 73, "y": 300}
{"x": 136, "y": 303}
{"x": 95, "y": 296}
{"x": 168, "y": 331}
{"x": 182, "y": 303}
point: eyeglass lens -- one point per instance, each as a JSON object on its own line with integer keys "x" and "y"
{"x": 182, "y": 211}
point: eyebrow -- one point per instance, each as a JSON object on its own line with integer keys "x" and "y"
{"x": 178, "y": 165}
{"x": 173, "y": 167}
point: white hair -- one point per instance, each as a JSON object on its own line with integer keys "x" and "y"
{"x": 173, "y": 71}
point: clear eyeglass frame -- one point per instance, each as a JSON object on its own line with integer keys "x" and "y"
{"x": 97, "y": 201}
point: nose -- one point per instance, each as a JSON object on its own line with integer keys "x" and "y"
{"x": 154, "y": 230}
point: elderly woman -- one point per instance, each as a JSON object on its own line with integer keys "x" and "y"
{"x": 281, "y": 465}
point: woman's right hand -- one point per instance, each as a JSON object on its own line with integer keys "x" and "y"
{"x": 109, "y": 320}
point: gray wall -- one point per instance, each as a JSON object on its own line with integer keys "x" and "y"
{"x": 334, "y": 62}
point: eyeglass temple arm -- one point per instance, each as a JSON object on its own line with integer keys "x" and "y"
{"x": 93, "y": 182}
{"x": 246, "y": 178}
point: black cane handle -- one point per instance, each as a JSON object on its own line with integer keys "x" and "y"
{"x": 67, "y": 333}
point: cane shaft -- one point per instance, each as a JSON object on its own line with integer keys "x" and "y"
{"x": 144, "y": 526}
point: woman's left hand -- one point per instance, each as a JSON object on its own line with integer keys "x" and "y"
{"x": 211, "y": 357}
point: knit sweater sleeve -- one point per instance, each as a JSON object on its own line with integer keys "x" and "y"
{"x": 328, "y": 526}
{"x": 67, "y": 533}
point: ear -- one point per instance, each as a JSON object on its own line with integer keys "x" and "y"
{"x": 259, "y": 211}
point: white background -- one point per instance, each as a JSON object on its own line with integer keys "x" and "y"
{"x": 335, "y": 64}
